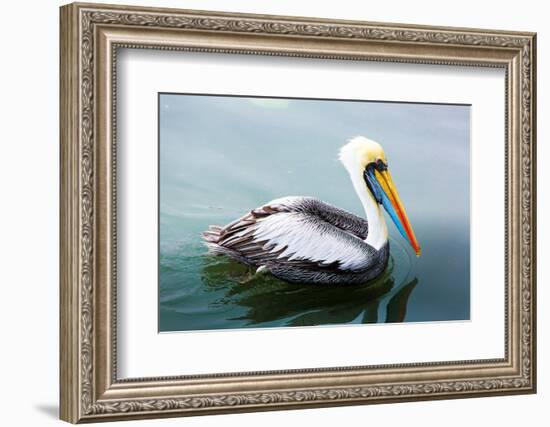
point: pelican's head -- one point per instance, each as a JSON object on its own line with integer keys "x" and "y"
{"x": 366, "y": 162}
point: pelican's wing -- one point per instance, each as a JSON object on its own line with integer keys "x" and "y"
{"x": 277, "y": 233}
{"x": 335, "y": 216}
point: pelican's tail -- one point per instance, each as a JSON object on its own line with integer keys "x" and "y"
{"x": 212, "y": 238}
{"x": 212, "y": 235}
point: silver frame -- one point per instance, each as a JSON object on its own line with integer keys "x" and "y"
{"x": 90, "y": 37}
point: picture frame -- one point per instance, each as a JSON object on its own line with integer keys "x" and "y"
{"x": 91, "y": 37}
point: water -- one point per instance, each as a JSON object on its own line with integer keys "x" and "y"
{"x": 220, "y": 157}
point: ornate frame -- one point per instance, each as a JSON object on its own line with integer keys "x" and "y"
{"x": 90, "y": 36}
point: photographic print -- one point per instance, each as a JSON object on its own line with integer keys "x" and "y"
{"x": 284, "y": 212}
{"x": 235, "y": 185}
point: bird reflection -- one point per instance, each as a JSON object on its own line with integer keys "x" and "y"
{"x": 268, "y": 301}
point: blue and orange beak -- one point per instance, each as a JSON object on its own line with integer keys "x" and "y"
{"x": 380, "y": 183}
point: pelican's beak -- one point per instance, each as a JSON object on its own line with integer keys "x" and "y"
{"x": 394, "y": 207}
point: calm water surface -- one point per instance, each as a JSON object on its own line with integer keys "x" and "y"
{"x": 198, "y": 291}
{"x": 220, "y": 157}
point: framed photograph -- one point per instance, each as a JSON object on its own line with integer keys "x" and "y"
{"x": 267, "y": 212}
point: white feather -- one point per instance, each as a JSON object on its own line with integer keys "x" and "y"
{"x": 355, "y": 155}
{"x": 303, "y": 240}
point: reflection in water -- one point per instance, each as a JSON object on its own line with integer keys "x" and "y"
{"x": 203, "y": 292}
{"x": 270, "y": 301}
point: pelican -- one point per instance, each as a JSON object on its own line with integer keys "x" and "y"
{"x": 305, "y": 240}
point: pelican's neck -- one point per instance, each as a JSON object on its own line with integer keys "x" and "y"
{"x": 378, "y": 232}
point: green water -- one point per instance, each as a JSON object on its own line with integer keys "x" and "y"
{"x": 220, "y": 157}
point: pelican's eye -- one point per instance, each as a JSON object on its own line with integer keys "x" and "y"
{"x": 380, "y": 165}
